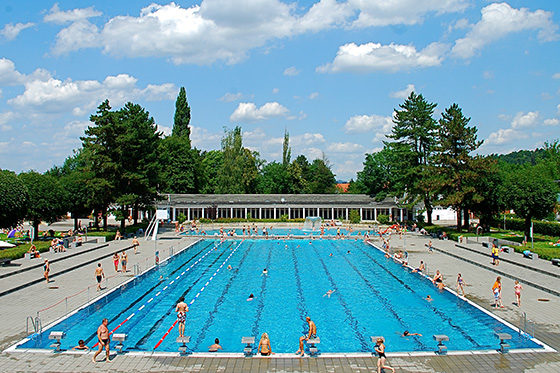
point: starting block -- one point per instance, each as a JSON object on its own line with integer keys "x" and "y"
{"x": 248, "y": 341}
{"x": 119, "y": 337}
{"x": 440, "y": 338}
{"x": 503, "y": 337}
{"x": 183, "y": 340}
{"x": 56, "y": 336}
{"x": 312, "y": 348}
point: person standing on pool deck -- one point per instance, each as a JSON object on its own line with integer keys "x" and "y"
{"x": 124, "y": 260}
{"x": 46, "y": 270}
{"x": 99, "y": 275}
{"x": 495, "y": 255}
{"x": 312, "y": 334}
{"x": 380, "y": 349}
{"x": 135, "y": 243}
{"x": 104, "y": 341}
{"x": 116, "y": 261}
{"x": 181, "y": 310}
{"x": 518, "y": 289}
{"x": 460, "y": 284}
{"x": 497, "y": 290}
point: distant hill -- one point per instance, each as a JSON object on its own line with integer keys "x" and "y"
{"x": 521, "y": 156}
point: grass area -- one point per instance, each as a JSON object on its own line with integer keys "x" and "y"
{"x": 542, "y": 243}
{"x": 20, "y": 250}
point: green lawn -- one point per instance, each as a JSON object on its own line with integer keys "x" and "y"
{"x": 541, "y": 242}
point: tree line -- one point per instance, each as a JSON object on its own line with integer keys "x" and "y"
{"x": 432, "y": 163}
{"x": 125, "y": 163}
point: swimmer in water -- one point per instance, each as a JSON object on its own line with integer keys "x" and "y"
{"x": 406, "y": 333}
{"x": 251, "y": 297}
{"x": 429, "y": 299}
{"x": 328, "y": 293}
{"x": 229, "y": 267}
{"x": 264, "y": 272}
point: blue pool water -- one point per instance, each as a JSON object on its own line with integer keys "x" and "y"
{"x": 284, "y": 232}
{"x": 374, "y": 296}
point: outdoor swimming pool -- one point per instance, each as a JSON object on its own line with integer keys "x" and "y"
{"x": 374, "y": 296}
{"x": 331, "y": 231}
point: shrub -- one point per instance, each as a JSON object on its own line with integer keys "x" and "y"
{"x": 354, "y": 217}
{"x": 542, "y": 227}
{"x": 181, "y": 218}
{"x": 284, "y": 217}
{"x": 383, "y": 219}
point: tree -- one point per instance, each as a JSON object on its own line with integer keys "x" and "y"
{"x": 489, "y": 201}
{"x": 455, "y": 165}
{"x": 46, "y": 198}
{"x": 530, "y": 193}
{"x": 376, "y": 177}
{"x": 180, "y": 165}
{"x": 101, "y": 153}
{"x": 414, "y": 136}
{"x": 182, "y": 116}
{"x": 286, "y": 150}
{"x": 321, "y": 179}
{"x": 211, "y": 165}
{"x": 13, "y": 199}
{"x": 239, "y": 170}
{"x": 274, "y": 179}
{"x": 137, "y": 159}
{"x": 73, "y": 179}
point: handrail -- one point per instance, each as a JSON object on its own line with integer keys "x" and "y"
{"x": 27, "y": 324}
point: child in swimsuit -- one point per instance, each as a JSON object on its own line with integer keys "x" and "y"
{"x": 518, "y": 288}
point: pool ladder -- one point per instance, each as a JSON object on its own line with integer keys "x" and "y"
{"x": 36, "y": 322}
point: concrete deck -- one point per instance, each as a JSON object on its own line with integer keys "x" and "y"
{"x": 476, "y": 269}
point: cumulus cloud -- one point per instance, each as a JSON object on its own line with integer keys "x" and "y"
{"x": 8, "y": 73}
{"x": 369, "y": 123}
{"x": 204, "y": 139}
{"x": 371, "y": 57}
{"x": 307, "y": 139}
{"x": 556, "y": 76}
{"x": 504, "y": 136}
{"x": 403, "y": 93}
{"x": 5, "y": 118}
{"x": 56, "y": 15}
{"x": 407, "y": 12}
{"x": 522, "y": 120}
{"x": 291, "y": 71}
{"x": 344, "y": 147}
{"x": 11, "y": 31}
{"x": 249, "y": 112}
{"x": 499, "y": 20}
{"x": 551, "y": 122}
{"x": 313, "y": 95}
{"x": 222, "y": 30}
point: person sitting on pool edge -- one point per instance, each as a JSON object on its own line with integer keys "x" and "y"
{"x": 264, "y": 345}
{"x": 215, "y": 347}
{"x": 312, "y": 334}
{"x": 406, "y": 333}
{"x": 438, "y": 280}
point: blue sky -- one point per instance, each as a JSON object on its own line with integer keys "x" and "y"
{"x": 330, "y": 72}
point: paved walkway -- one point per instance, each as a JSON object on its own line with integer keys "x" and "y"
{"x": 543, "y": 314}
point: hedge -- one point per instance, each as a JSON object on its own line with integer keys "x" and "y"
{"x": 542, "y": 227}
{"x": 240, "y": 220}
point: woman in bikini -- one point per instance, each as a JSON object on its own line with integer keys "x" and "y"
{"x": 264, "y": 345}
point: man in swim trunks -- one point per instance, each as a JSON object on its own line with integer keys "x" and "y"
{"x": 124, "y": 261}
{"x": 181, "y": 310}
{"x": 99, "y": 275}
{"x": 135, "y": 243}
{"x": 46, "y": 270}
{"x": 104, "y": 341}
{"x": 438, "y": 280}
{"x": 312, "y": 334}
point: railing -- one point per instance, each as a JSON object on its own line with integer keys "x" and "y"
{"x": 68, "y": 304}
{"x": 525, "y": 326}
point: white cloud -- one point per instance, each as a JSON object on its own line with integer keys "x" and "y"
{"x": 407, "y": 12}
{"x": 249, "y": 112}
{"x": 44, "y": 94}
{"x": 55, "y": 15}
{"x": 344, "y": 147}
{"x": 8, "y": 73}
{"x": 522, "y": 120}
{"x": 461, "y": 24}
{"x": 231, "y": 97}
{"x": 222, "y": 30}
{"x": 371, "y": 57}
{"x": 403, "y": 93}
{"x": 291, "y": 71}
{"x": 551, "y": 122}
{"x": 367, "y": 123}
{"x": 204, "y": 139}
{"x": 556, "y": 76}
{"x": 313, "y": 95}
{"x": 504, "y": 136}
{"x": 11, "y": 31}
{"x": 275, "y": 90}
{"x": 5, "y": 118}
{"x": 307, "y": 139}
{"x": 558, "y": 108}
{"x": 499, "y": 20}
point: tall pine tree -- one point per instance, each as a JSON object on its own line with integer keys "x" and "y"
{"x": 182, "y": 116}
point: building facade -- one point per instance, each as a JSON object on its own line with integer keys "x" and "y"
{"x": 274, "y": 206}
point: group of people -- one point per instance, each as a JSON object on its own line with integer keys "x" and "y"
{"x": 122, "y": 259}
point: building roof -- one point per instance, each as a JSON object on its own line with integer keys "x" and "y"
{"x": 206, "y": 200}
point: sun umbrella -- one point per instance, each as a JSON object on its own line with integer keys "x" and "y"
{"x": 5, "y": 244}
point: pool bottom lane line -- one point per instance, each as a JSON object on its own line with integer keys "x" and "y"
{"x": 201, "y": 290}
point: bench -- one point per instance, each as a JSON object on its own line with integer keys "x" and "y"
{"x": 4, "y": 262}
{"x": 119, "y": 337}
{"x": 503, "y": 337}
{"x": 56, "y": 336}
{"x": 440, "y": 338}
{"x": 248, "y": 341}
{"x": 507, "y": 249}
{"x": 312, "y": 348}
{"x": 183, "y": 341}
{"x": 556, "y": 262}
